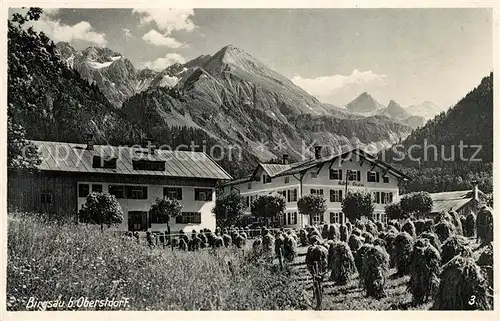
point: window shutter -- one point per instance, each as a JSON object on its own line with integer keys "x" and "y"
{"x": 148, "y": 217}
{"x": 289, "y": 192}
{"x": 179, "y": 193}
{"x": 340, "y": 195}
{"x": 145, "y": 192}
{"x": 340, "y": 174}
{"x": 358, "y": 176}
{"x": 378, "y": 177}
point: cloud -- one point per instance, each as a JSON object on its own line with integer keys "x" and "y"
{"x": 325, "y": 86}
{"x": 157, "y": 39}
{"x": 128, "y": 34}
{"x": 58, "y": 31}
{"x": 167, "y": 20}
{"x": 164, "y": 62}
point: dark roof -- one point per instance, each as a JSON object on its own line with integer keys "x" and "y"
{"x": 70, "y": 157}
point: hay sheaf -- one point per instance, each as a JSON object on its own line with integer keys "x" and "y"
{"x": 371, "y": 228}
{"x": 456, "y": 222}
{"x": 484, "y": 225}
{"x": 462, "y": 287}
{"x": 341, "y": 262}
{"x": 444, "y": 229}
{"x": 333, "y": 232}
{"x": 344, "y": 232}
{"x": 317, "y": 254}
{"x": 442, "y": 216}
{"x": 375, "y": 269}
{"x": 433, "y": 239}
{"x": 290, "y": 248}
{"x": 403, "y": 247}
{"x": 469, "y": 225}
{"x": 396, "y": 225}
{"x": 367, "y": 237}
{"x": 453, "y": 246}
{"x": 355, "y": 243}
{"x": 409, "y": 228}
{"x": 424, "y": 271}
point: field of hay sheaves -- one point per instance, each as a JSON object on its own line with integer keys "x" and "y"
{"x": 48, "y": 262}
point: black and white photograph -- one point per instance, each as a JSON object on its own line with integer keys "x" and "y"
{"x": 163, "y": 158}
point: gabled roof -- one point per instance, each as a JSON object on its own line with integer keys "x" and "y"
{"x": 70, "y": 157}
{"x": 275, "y": 169}
{"x": 446, "y": 201}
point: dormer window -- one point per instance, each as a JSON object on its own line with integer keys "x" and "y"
{"x": 148, "y": 165}
{"x": 104, "y": 162}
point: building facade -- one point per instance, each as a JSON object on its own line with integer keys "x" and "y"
{"x": 331, "y": 177}
{"x": 135, "y": 176}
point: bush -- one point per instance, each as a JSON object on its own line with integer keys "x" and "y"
{"x": 461, "y": 279}
{"x": 469, "y": 225}
{"x": 484, "y": 225}
{"x": 409, "y": 228}
{"x": 453, "y": 246}
{"x": 403, "y": 247}
{"x": 375, "y": 268}
{"x": 355, "y": 243}
{"x": 424, "y": 271}
{"x": 444, "y": 229}
{"x": 341, "y": 262}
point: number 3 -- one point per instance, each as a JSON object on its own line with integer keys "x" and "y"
{"x": 472, "y": 300}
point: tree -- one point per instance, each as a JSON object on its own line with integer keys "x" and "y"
{"x": 228, "y": 209}
{"x": 268, "y": 207}
{"x": 21, "y": 154}
{"x": 356, "y": 205}
{"x": 417, "y": 203}
{"x": 101, "y": 208}
{"x": 312, "y": 205}
{"x": 393, "y": 211}
{"x": 164, "y": 209}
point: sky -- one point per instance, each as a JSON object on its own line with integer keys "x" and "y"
{"x": 406, "y": 55}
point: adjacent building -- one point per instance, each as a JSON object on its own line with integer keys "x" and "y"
{"x": 331, "y": 176}
{"x": 135, "y": 175}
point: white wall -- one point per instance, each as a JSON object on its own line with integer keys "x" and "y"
{"x": 323, "y": 182}
{"x": 188, "y": 205}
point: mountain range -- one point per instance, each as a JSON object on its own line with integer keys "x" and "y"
{"x": 234, "y": 98}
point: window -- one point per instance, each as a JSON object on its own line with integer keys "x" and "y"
{"x": 316, "y": 219}
{"x": 386, "y": 197}
{"x": 188, "y": 218}
{"x": 173, "y": 192}
{"x": 383, "y": 218}
{"x": 335, "y": 217}
{"x": 376, "y": 197}
{"x": 282, "y": 193}
{"x": 103, "y": 162}
{"x": 137, "y": 192}
{"x": 336, "y": 174}
{"x": 249, "y": 185}
{"x": 335, "y": 195}
{"x": 202, "y": 194}
{"x": 316, "y": 191}
{"x": 266, "y": 179}
{"x": 287, "y": 179}
{"x": 148, "y": 165}
{"x": 97, "y": 188}
{"x": 353, "y": 175}
{"x": 292, "y": 195}
{"x": 386, "y": 179}
{"x": 117, "y": 190}
{"x": 314, "y": 174}
{"x": 46, "y": 198}
{"x": 373, "y": 177}
{"x": 291, "y": 218}
{"x": 83, "y": 190}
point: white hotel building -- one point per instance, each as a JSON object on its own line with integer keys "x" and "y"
{"x": 330, "y": 176}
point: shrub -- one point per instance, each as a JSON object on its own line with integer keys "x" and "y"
{"x": 453, "y": 246}
{"x": 403, "y": 247}
{"x": 469, "y": 225}
{"x": 375, "y": 268}
{"x": 424, "y": 271}
{"x": 444, "y": 229}
{"x": 433, "y": 239}
{"x": 394, "y": 211}
{"x": 455, "y": 219}
{"x": 344, "y": 232}
{"x": 418, "y": 203}
{"x": 461, "y": 278}
{"x": 409, "y": 228}
{"x": 341, "y": 262}
{"x": 268, "y": 207}
{"x": 484, "y": 225}
{"x": 367, "y": 237}
{"x": 355, "y": 243}
{"x": 229, "y": 208}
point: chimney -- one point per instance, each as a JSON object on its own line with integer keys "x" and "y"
{"x": 90, "y": 141}
{"x": 317, "y": 152}
{"x": 285, "y": 158}
{"x": 151, "y": 148}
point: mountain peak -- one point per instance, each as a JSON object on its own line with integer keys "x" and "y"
{"x": 394, "y": 105}
{"x": 364, "y": 103}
